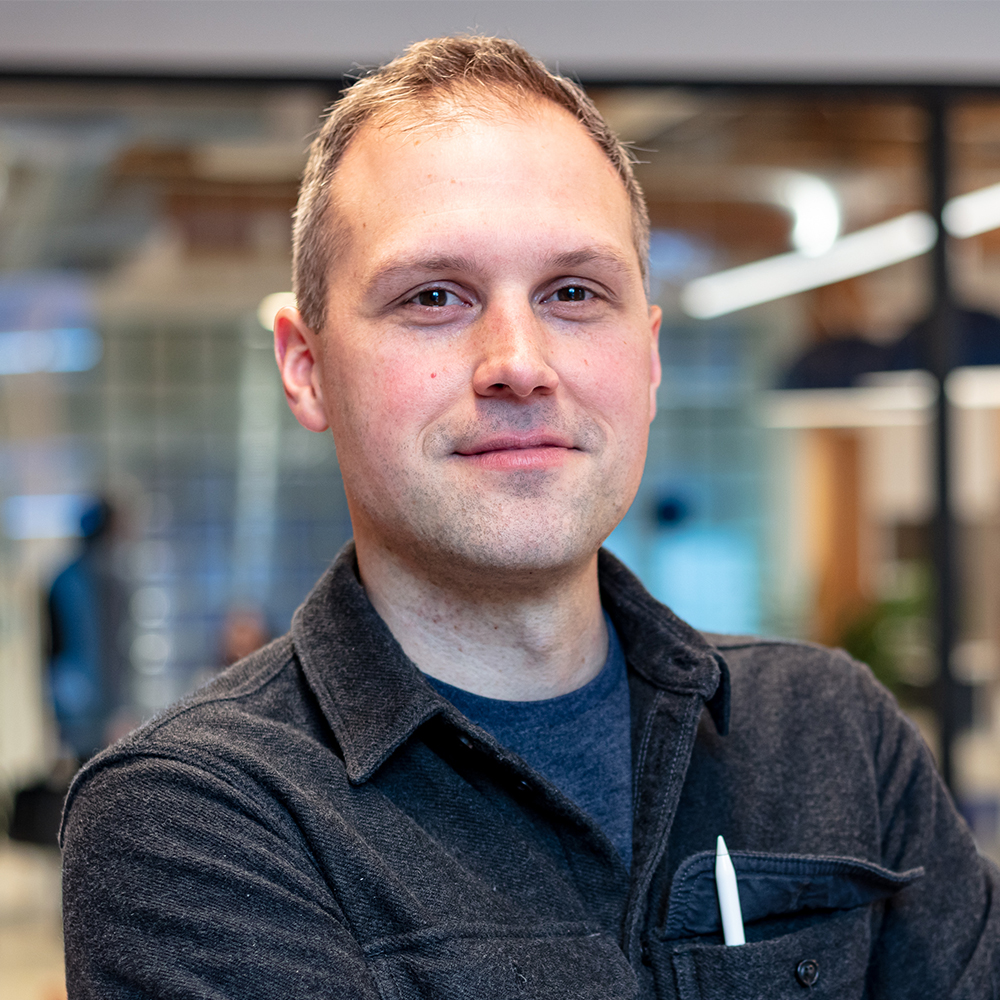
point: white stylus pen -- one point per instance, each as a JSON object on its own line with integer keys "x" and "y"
{"x": 729, "y": 895}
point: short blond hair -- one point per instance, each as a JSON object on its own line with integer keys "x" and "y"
{"x": 488, "y": 70}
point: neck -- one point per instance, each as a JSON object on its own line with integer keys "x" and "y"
{"x": 508, "y": 641}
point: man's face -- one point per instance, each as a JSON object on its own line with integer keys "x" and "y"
{"x": 489, "y": 364}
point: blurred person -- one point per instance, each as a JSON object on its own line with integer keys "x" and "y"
{"x": 485, "y": 763}
{"x": 87, "y": 675}
{"x": 244, "y": 631}
{"x": 88, "y": 671}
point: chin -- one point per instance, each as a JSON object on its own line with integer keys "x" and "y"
{"x": 530, "y": 549}
{"x": 468, "y": 534}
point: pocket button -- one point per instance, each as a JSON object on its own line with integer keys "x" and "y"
{"x": 807, "y": 972}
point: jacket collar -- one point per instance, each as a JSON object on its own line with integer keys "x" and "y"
{"x": 659, "y": 646}
{"x": 374, "y": 697}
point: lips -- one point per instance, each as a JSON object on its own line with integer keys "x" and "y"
{"x": 517, "y": 452}
{"x": 514, "y": 442}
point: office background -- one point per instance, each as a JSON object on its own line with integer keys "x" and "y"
{"x": 826, "y": 248}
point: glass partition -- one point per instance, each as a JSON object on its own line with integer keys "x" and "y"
{"x": 973, "y": 389}
{"x": 774, "y": 257}
{"x": 144, "y": 439}
{"x": 140, "y": 228}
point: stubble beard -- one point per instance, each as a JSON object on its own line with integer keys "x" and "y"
{"x": 468, "y": 527}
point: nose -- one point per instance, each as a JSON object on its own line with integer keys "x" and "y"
{"x": 514, "y": 355}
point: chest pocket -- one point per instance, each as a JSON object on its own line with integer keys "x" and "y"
{"x": 490, "y": 962}
{"x": 808, "y": 927}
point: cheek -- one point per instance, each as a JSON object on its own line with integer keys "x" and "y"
{"x": 617, "y": 385}
{"x": 389, "y": 396}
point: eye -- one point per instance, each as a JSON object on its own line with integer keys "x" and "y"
{"x": 435, "y": 298}
{"x": 573, "y": 293}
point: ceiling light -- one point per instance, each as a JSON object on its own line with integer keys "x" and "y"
{"x": 269, "y": 306}
{"x": 787, "y": 274}
{"x": 973, "y": 213}
{"x": 864, "y": 251}
{"x": 814, "y": 207}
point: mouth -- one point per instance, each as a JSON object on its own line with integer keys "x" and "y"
{"x": 516, "y": 452}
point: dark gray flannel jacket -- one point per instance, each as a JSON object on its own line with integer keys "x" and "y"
{"x": 318, "y": 822}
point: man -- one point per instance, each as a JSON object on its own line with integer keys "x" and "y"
{"x": 485, "y": 763}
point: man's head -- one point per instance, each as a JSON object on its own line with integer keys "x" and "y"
{"x": 434, "y": 81}
{"x": 482, "y": 348}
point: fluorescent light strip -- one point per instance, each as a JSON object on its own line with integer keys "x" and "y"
{"x": 862, "y": 252}
{"x": 974, "y": 388}
{"x": 973, "y": 213}
{"x": 890, "y": 399}
{"x": 866, "y": 250}
{"x": 859, "y": 406}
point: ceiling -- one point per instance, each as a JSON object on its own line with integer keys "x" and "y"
{"x": 768, "y": 40}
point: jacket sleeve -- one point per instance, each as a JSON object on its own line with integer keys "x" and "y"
{"x": 946, "y": 924}
{"x": 175, "y": 885}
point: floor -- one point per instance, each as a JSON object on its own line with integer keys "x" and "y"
{"x": 31, "y": 962}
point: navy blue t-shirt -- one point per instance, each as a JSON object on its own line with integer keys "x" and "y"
{"x": 580, "y": 741}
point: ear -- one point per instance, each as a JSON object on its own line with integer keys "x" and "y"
{"x": 296, "y": 349}
{"x": 655, "y": 371}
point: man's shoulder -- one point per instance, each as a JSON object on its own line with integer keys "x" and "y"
{"x": 740, "y": 641}
{"x": 787, "y": 692}
{"x": 247, "y": 720}
{"x": 776, "y": 653}
{"x": 264, "y": 684}
{"x": 792, "y": 670}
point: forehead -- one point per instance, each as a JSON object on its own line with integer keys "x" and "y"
{"x": 464, "y": 111}
{"x": 427, "y": 175}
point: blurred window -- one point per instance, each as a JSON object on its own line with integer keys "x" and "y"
{"x": 789, "y": 484}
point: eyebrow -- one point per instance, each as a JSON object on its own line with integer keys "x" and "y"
{"x": 605, "y": 256}
{"x": 444, "y": 263}
{"x": 436, "y": 264}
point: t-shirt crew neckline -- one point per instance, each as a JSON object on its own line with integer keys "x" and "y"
{"x": 580, "y": 741}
